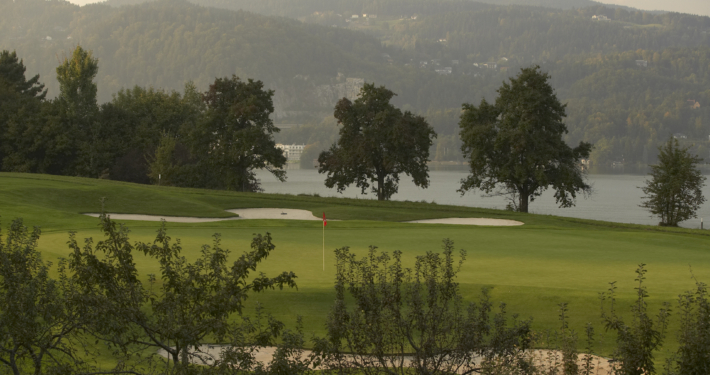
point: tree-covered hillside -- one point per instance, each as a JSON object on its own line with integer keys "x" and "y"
{"x": 529, "y": 34}
{"x": 166, "y": 44}
{"x": 434, "y": 54}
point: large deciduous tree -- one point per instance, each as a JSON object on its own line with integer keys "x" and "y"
{"x": 236, "y": 136}
{"x": 377, "y": 143}
{"x": 675, "y": 190}
{"x": 515, "y": 146}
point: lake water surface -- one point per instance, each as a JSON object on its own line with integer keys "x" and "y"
{"x": 615, "y": 197}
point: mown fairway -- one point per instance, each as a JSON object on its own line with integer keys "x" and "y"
{"x": 532, "y": 268}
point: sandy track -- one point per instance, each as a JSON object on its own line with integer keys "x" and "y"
{"x": 208, "y": 354}
{"x": 470, "y": 221}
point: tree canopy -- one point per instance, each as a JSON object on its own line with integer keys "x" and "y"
{"x": 675, "y": 190}
{"x": 235, "y": 135}
{"x": 515, "y": 146}
{"x": 377, "y": 143}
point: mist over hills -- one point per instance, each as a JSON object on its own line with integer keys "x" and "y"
{"x": 434, "y": 54}
{"x": 301, "y": 8}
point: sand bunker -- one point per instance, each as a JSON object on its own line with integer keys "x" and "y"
{"x": 294, "y": 214}
{"x": 274, "y": 213}
{"x": 470, "y": 221}
{"x": 169, "y": 219}
{"x": 244, "y": 213}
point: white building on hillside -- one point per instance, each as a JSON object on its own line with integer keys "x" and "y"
{"x": 291, "y": 152}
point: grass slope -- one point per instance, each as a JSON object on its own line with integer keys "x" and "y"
{"x": 533, "y": 267}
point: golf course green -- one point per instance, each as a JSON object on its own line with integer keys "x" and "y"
{"x": 532, "y": 268}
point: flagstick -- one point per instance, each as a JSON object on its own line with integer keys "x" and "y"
{"x": 324, "y": 246}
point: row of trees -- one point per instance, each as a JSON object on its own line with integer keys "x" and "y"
{"x": 218, "y": 138}
{"x": 515, "y": 148}
{"x": 213, "y": 139}
{"x": 386, "y": 318}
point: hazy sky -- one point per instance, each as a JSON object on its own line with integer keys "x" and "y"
{"x": 701, "y": 7}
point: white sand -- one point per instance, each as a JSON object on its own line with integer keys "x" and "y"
{"x": 294, "y": 214}
{"x": 244, "y": 213}
{"x": 274, "y": 213}
{"x": 169, "y": 219}
{"x": 470, "y": 221}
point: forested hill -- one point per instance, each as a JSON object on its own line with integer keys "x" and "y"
{"x": 527, "y": 34}
{"x": 434, "y": 54}
{"x": 167, "y": 43}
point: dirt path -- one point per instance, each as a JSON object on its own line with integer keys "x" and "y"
{"x": 207, "y": 354}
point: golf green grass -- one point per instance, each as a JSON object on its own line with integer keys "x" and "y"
{"x": 532, "y": 268}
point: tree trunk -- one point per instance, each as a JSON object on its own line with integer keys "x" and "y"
{"x": 185, "y": 359}
{"x": 523, "y": 200}
{"x": 381, "y": 187}
{"x": 176, "y": 356}
{"x": 13, "y": 364}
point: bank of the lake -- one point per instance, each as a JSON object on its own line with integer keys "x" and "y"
{"x": 616, "y": 197}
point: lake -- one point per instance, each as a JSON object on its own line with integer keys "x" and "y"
{"x": 615, "y": 197}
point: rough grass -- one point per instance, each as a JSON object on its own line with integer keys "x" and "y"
{"x": 532, "y": 268}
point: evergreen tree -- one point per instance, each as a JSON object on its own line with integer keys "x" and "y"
{"x": 20, "y": 101}
{"x": 12, "y": 73}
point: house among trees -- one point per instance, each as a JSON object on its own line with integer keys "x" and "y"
{"x": 490, "y": 65}
{"x": 291, "y": 152}
{"x": 642, "y": 63}
{"x": 679, "y": 136}
{"x": 585, "y": 164}
{"x": 445, "y": 71}
{"x": 600, "y": 18}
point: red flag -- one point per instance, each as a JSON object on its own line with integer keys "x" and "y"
{"x": 324, "y": 221}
